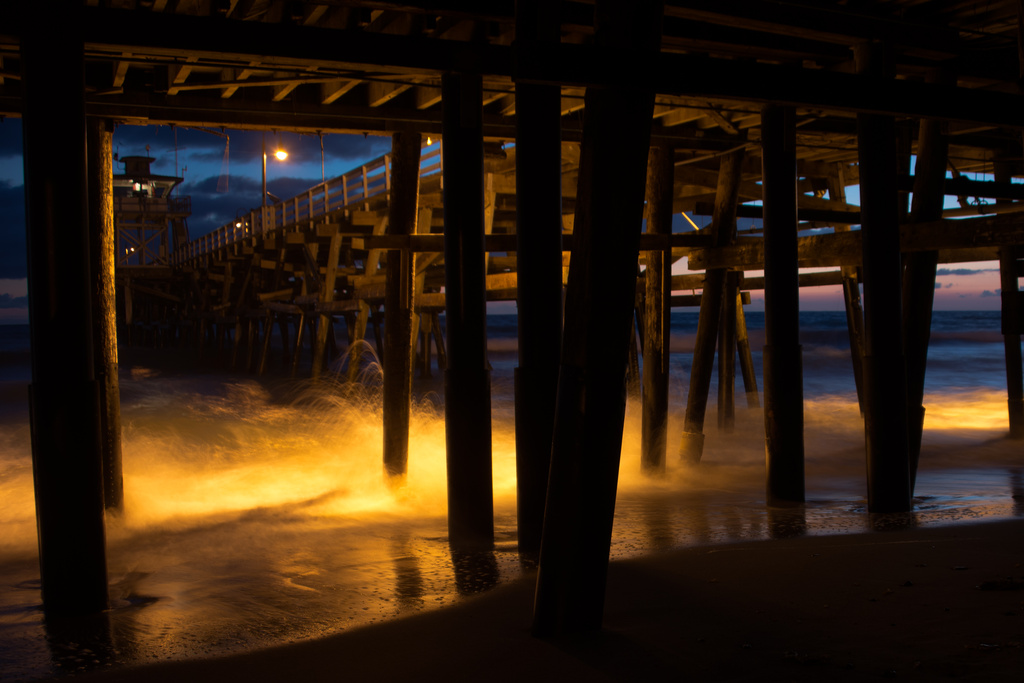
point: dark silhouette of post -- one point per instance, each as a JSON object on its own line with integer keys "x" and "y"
{"x": 783, "y": 363}
{"x": 723, "y": 223}
{"x": 101, "y": 264}
{"x": 467, "y": 379}
{"x": 885, "y": 387}
{"x": 599, "y": 306}
{"x": 727, "y": 340}
{"x": 657, "y": 307}
{"x": 539, "y": 266}
{"x": 1011, "y": 323}
{"x": 64, "y": 394}
{"x": 919, "y": 277}
{"x": 398, "y": 308}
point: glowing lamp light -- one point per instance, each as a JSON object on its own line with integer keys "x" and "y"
{"x": 281, "y": 155}
{"x": 429, "y": 141}
{"x": 690, "y": 220}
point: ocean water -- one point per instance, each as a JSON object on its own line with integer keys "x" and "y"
{"x": 257, "y": 513}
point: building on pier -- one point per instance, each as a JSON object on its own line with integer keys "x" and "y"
{"x": 150, "y": 221}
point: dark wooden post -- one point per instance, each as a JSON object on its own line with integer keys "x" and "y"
{"x": 467, "y": 380}
{"x": 1012, "y": 328}
{"x": 1011, "y": 323}
{"x": 64, "y": 394}
{"x": 723, "y": 222}
{"x": 885, "y": 393}
{"x": 539, "y": 264}
{"x": 851, "y": 298}
{"x": 398, "y": 336}
{"x": 919, "y": 278}
{"x": 600, "y": 299}
{"x": 102, "y": 263}
{"x": 746, "y": 357}
{"x": 657, "y": 308}
{"x": 727, "y": 353}
{"x": 783, "y": 364}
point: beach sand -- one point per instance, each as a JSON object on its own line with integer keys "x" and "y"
{"x": 916, "y": 604}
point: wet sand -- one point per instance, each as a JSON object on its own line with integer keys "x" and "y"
{"x": 918, "y": 604}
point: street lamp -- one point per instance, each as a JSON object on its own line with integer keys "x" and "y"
{"x": 281, "y": 155}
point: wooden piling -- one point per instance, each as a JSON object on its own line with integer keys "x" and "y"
{"x": 101, "y": 265}
{"x": 1012, "y": 328}
{"x": 727, "y": 353}
{"x": 539, "y": 267}
{"x": 723, "y": 224}
{"x": 783, "y": 364}
{"x": 746, "y": 357}
{"x": 851, "y": 298}
{"x": 885, "y": 393}
{"x": 919, "y": 278}
{"x": 398, "y": 310}
{"x": 467, "y": 383}
{"x": 599, "y": 306}
{"x": 325, "y": 321}
{"x": 64, "y": 394}
{"x": 657, "y": 308}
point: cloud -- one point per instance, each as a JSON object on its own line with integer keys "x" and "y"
{"x": 8, "y": 301}
{"x": 964, "y": 271}
{"x": 989, "y": 293}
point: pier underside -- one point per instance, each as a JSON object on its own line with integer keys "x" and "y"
{"x": 547, "y": 153}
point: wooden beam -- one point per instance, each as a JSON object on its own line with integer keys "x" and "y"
{"x": 970, "y": 239}
{"x": 427, "y": 96}
{"x": 332, "y": 90}
{"x": 283, "y": 90}
{"x": 121, "y": 70}
{"x": 817, "y": 23}
{"x": 382, "y": 92}
{"x": 177, "y": 74}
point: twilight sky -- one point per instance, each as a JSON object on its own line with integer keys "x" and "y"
{"x": 223, "y": 177}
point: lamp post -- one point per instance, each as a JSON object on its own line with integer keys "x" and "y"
{"x": 281, "y": 156}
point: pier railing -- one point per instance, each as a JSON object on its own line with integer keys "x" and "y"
{"x": 361, "y": 186}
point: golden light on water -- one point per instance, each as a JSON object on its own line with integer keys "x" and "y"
{"x": 978, "y": 410}
{"x": 246, "y": 453}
